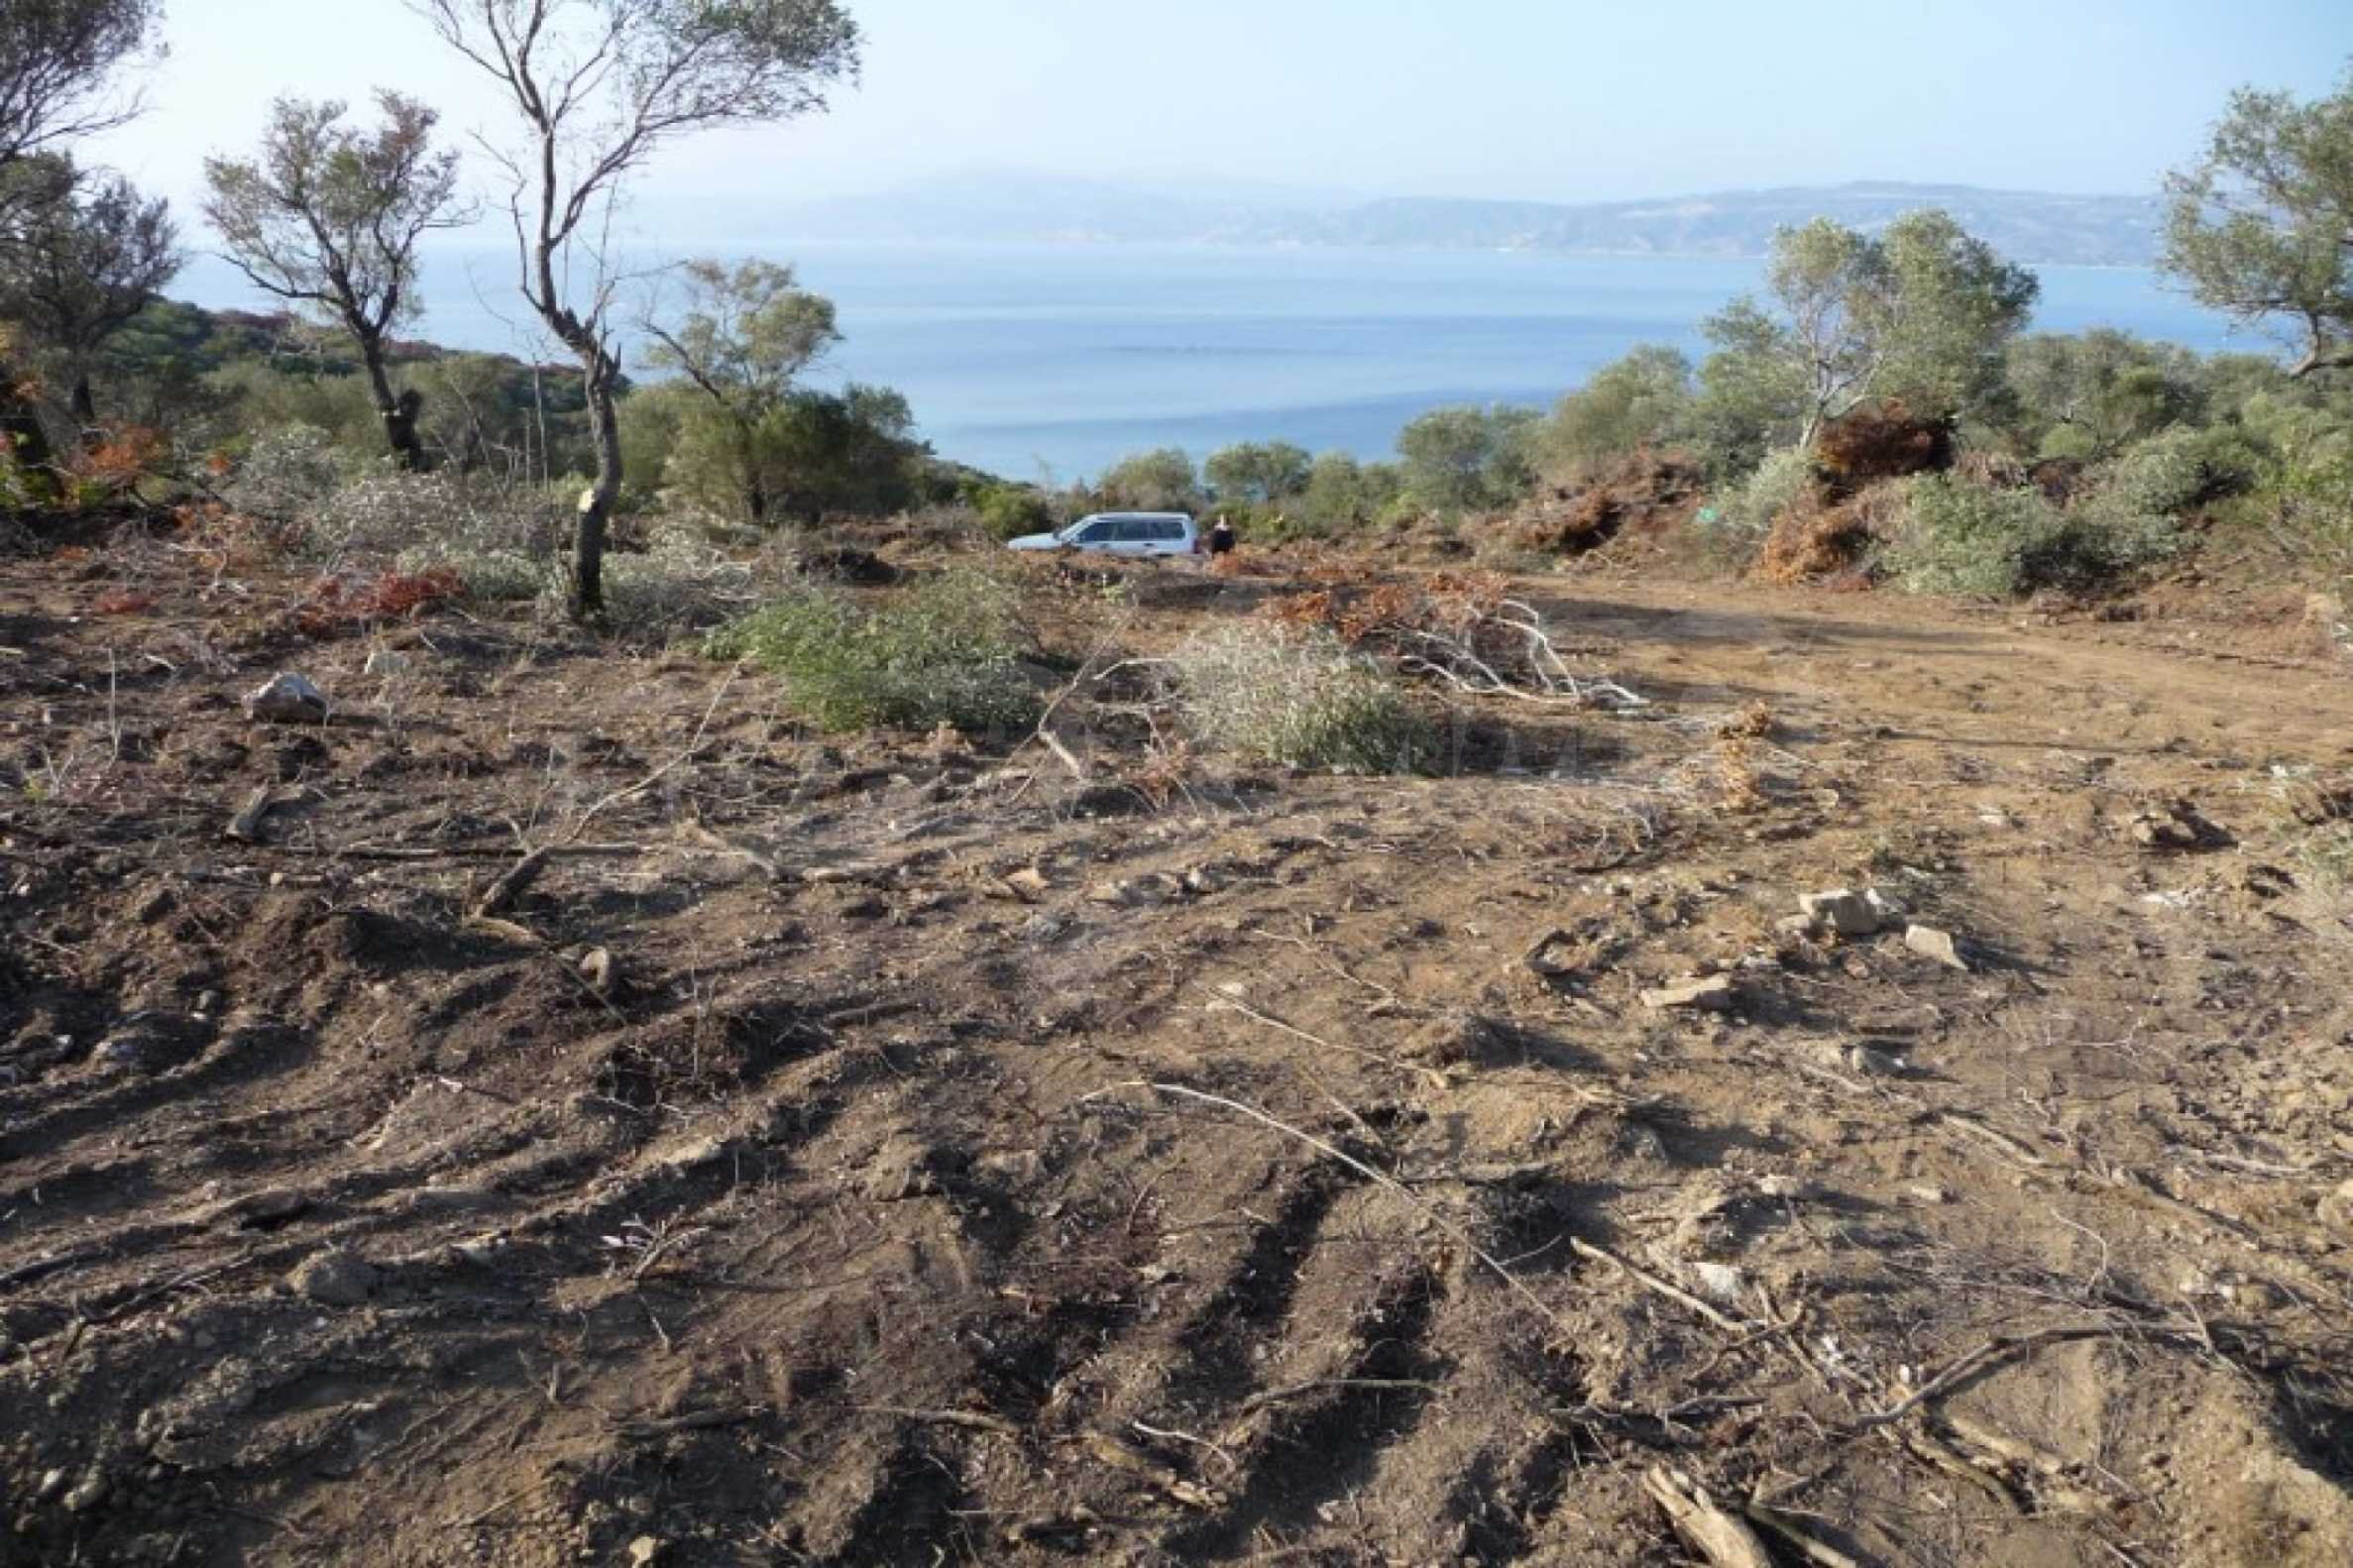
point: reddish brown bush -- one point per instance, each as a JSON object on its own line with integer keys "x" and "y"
{"x": 336, "y": 602}
{"x": 120, "y": 458}
{"x": 1815, "y": 540}
{"x": 2059, "y": 478}
{"x": 1645, "y": 490}
{"x": 1884, "y": 442}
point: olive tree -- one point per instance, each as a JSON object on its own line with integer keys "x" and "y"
{"x": 2262, "y": 227}
{"x": 1921, "y": 313}
{"x": 746, "y": 334}
{"x": 1628, "y": 404}
{"x": 1158, "y": 481}
{"x": 58, "y": 65}
{"x": 2091, "y": 395}
{"x": 328, "y": 218}
{"x": 1269, "y": 472}
{"x": 59, "y": 60}
{"x": 1343, "y": 494}
{"x": 1469, "y": 458}
{"x": 84, "y": 266}
{"x": 597, "y": 88}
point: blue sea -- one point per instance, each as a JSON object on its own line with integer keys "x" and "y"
{"x": 1052, "y": 362}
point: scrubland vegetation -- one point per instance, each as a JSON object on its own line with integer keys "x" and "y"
{"x": 589, "y": 973}
{"x": 1881, "y": 413}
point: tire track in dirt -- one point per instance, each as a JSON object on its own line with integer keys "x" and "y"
{"x": 1321, "y": 1448}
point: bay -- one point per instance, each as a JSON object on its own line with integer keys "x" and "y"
{"x": 1053, "y": 362}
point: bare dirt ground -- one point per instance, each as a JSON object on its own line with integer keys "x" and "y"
{"x": 895, "y": 1151}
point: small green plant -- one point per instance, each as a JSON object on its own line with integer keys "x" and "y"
{"x": 947, "y": 650}
{"x": 2325, "y": 856}
{"x": 1301, "y": 700}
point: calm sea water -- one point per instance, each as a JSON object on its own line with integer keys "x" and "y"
{"x": 1053, "y": 362}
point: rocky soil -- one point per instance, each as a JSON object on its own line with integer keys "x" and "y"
{"x": 902, "y": 1151}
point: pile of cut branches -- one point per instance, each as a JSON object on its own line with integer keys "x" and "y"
{"x": 1462, "y": 629}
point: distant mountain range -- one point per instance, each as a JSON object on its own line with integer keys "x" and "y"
{"x": 2026, "y": 226}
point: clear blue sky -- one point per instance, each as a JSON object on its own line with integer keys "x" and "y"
{"x": 1546, "y": 100}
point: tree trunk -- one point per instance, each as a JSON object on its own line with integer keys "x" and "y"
{"x": 588, "y": 550}
{"x": 83, "y": 404}
{"x": 398, "y": 410}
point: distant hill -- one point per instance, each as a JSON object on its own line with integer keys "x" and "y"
{"x": 2027, "y": 226}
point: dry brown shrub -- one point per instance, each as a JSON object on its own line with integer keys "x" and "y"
{"x": 1884, "y": 442}
{"x": 334, "y": 601}
{"x": 1645, "y": 491}
{"x": 1814, "y": 542}
{"x": 1462, "y": 629}
{"x": 1164, "y": 774}
{"x": 1724, "y": 777}
{"x": 2318, "y": 802}
{"x": 1992, "y": 470}
{"x": 1369, "y": 615}
{"x": 2059, "y": 478}
{"x": 1810, "y": 541}
{"x": 1751, "y": 723}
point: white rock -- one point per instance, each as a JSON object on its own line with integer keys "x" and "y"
{"x": 1720, "y": 1282}
{"x": 1931, "y": 942}
{"x": 1874, "y": 1063}
{"x": 1714, "y": 993}
{"x": 286, "y": 698}
{"x": 1844, "y": 911}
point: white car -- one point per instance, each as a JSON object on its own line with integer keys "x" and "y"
{"x": 1121, "y": 534}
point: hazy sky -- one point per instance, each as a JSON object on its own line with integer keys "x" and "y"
{"x": 1546, "y": 100}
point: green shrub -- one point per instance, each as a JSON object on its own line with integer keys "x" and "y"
{"x": 2178, "y": 472}
{"x": 1626, "y": 405}
{"x": 1343, "y": 494}
{"x": 1778, "y": 483}
{"x": 945, "y": 651}
{"x": 1008, "y": 512}
{"x": 1300, "y": 700}
{"x": 2308, "y": 506}
{"x": 1158, "y": 481}
{"x": 2106, "y": 537}
{"x": 2325, "y": 856}
{"x": 1469, "y": 458}
{"x": 1969, "y": 541}
{"x": 21, "y": 488}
